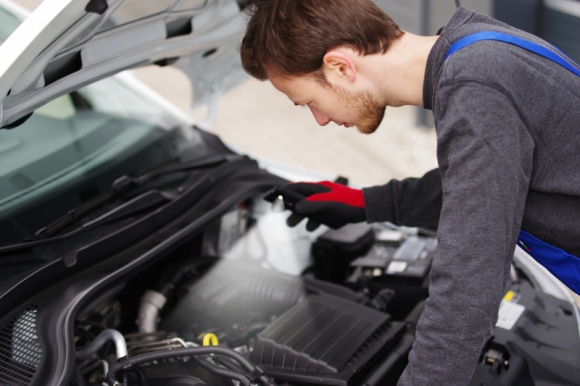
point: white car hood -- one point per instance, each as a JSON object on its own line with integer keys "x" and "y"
{"x": 66, "y": 44}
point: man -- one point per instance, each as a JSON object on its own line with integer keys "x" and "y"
{"x": 508, "y": 134}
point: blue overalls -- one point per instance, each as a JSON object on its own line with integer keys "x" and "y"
{"x": 561, "y": 264}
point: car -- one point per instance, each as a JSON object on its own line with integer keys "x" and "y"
{"x": 139, "y": 249}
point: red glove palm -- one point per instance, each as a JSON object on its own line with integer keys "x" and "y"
{"x": 327, "y": 203}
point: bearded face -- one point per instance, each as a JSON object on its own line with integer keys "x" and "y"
{"x": 332, "y": 103}
{"x": 367, "y": 109}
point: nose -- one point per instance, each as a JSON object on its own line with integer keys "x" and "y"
{"x": 321, "y": 118}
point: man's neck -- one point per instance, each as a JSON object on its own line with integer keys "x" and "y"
{"x": 401, "y": 72}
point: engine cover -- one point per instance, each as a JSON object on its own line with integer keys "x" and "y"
{"x": 324, "y": 340}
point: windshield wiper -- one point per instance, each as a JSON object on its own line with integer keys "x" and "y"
{"x": 144, "y": 202}
{"x": 149, "y": 199}
{"x": 121, "y": 186}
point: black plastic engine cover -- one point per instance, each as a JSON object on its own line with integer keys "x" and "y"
{"x": 324, "y": 340}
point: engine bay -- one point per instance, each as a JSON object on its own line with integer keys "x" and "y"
{"x": 225, "y": 293}
{"x": 330, "y": 307}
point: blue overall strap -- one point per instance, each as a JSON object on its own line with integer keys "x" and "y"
{"x": 561, "y": 59}
{"x": 561, "y": 264}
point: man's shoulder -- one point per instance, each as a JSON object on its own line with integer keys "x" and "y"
{"x": 476, "y": 61}
{"x": 491, "y": 61}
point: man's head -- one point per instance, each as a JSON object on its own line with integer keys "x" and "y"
{"x": 301, "y": 46}
{"x": 290, "y": 37}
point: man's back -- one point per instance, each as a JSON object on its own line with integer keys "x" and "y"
{"x": 508, "y": 145}
{"x": 544, "y": 118}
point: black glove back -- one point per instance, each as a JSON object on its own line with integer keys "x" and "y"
{"x": 328, "y": 203}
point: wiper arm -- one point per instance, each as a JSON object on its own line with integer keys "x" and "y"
{"x": 146, "y": 201}
{"x": 121, "y": 186}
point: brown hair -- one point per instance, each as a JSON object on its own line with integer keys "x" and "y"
{"x": 291, "y": 37}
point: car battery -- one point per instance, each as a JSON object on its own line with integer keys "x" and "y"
{"x": 407, "y": 263}
{"x": 402, "y": 266}
{"x": 334, "y": 250}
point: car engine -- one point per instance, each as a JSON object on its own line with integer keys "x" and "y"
{"x": 339, "y": 313}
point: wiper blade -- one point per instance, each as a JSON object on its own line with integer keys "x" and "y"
{"x": 147, "y": 200}
{"x": 122, "y": 186}
{"x": 141, "y": 203}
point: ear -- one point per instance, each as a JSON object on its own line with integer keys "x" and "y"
{"x": 339, "y": 64}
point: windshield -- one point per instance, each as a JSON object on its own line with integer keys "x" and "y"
{"x": 76, "y": 146}
{"x": 8, "y": 23}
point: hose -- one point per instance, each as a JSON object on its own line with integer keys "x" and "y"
{"x": 100, "y": 340}
{"x": 126, "y": 363}
{"x": 151, "y": 303}
{"x": 224, "y": 372}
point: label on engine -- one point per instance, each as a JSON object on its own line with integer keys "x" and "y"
{"x": 508, "y": 314}
{"x": 396, "y": 267}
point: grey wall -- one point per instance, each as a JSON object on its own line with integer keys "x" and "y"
{"x": 427, "y": 16}
{"x": 439, "y": 11}
{"x": 557, "y": 21}
{"x": 407, "y": 13}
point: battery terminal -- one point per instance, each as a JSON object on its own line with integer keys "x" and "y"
{"x": 497, "y": 359}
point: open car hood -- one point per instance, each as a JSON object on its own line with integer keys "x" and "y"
{"x": 66, "y": 44}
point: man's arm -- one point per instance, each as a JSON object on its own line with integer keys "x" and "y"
{"x": 410, "y": 202}
{"x": 414, "y": 202}
{"x": 485, "y": 157}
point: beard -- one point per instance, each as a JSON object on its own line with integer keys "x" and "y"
{"x": 370, "y": 111}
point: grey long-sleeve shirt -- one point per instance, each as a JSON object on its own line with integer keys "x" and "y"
{"x": 508, "y": 132}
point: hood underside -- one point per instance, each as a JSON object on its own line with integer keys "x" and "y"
{"x": 66, "y": 44}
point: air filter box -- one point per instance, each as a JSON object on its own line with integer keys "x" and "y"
{"x": 325, "y": 340}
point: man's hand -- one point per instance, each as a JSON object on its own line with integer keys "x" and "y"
{"x": 327, "y": 203}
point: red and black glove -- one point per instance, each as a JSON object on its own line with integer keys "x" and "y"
{"x": 328, "y": 203}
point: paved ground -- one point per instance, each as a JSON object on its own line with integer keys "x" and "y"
{"x": 257, "y": 119}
